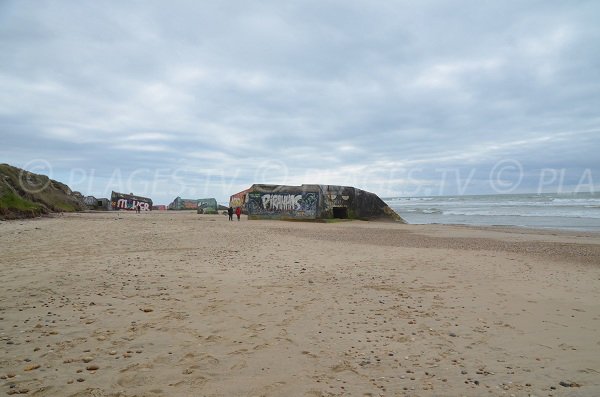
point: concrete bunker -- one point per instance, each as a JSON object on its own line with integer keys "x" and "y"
{"x": 208, "y": 206}
{"x": 312, "y": 202}
{"x": 340, "y": 212}
{"x": 122, "y": 201}
{"x": 181, "y": 204}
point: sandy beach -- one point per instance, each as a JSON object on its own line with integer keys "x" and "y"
{"x": 180, "y": 304}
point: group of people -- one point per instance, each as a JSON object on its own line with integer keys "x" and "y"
{"x": 238, "y": 213}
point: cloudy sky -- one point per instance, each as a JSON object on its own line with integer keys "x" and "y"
{"x": 198, "y": 98}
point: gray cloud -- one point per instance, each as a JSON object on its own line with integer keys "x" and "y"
{"x": 218, "y": 96}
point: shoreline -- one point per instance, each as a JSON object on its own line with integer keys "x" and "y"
{"x": 508, "y": 228}
{"x": 577, "y": 211}
{"x": 516, "y": 227}
{"x": 178, "y": 304}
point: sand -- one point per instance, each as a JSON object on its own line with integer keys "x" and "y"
{"x": 180, "y": 304}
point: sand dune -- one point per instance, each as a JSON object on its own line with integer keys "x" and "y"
{"x": 180, "y": 304}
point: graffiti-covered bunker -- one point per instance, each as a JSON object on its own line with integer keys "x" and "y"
{"x": 101, "y": 204}
{"x": 183, "y": 204}
{"x": 239, "y": 199}
{"x": 208, "y": 206}
{"x": 121, "y": 201}
{"x": 312, "y": 202}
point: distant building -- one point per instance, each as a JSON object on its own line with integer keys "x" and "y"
{"x": 312, "y": 202}
{"x": 90, "y": 201}
{"x": 121, "y": 201}
{"x": 98, "y": 204}
{"x": 103, "y": 204}
{"x": 180, "y": 204}
{"x": 208, "y": 206}
{"x": 160, "y": 207}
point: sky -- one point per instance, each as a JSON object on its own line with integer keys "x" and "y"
{"x": 402, "y": 98}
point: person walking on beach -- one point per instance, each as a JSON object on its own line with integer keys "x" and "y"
{"x": 230, "y": 212}
{"x": 138, "y": 208}
{"x": 238, "y": 212}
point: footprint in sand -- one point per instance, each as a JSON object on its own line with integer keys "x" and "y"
{"x": 134, "y": 379}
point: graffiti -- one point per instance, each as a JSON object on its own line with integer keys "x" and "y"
{"x": 189, "y": 204}
{"x": 338, "y": 196}
{"x": 236, "y": 202}
{"x": 207, "y": 206}
{"x": 97, "y": 203}
{"x": 125, "y": 204}
{"x": 239, "y": 199}
{"x": 120, "y": 201}
{"x": 281, "y": 202}
{"x": 183, "y": 204}
{"x": 292, "y": 205}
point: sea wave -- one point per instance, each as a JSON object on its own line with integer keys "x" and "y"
{"x": 582, "y": 201}
{"x": 545, "y": 210}
{"x": 495, "y": 212}
{"x": 423, "y": 210}
{"x": 408, "y": 199}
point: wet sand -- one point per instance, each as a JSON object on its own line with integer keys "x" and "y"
{"x": 180, "y": 304}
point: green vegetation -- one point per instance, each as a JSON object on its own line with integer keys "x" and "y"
{"x": 10, "y": 200}
{"x": 24, "y": 194}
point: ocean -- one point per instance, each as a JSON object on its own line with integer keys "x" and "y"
{"x": 567, "y": 211}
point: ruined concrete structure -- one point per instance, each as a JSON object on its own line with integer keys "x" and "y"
{"x": 202, "y": 206}
{"x": 313, "y": 202}
{"x": 121, "y": 201}
{"x": 208, "y": 206}
{"x": 239, "y": 199}
{"x": 98, "y": 204}
{"x": 183, "y": 204}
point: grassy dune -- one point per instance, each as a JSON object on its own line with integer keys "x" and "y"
{"x": 24, "y": 194}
